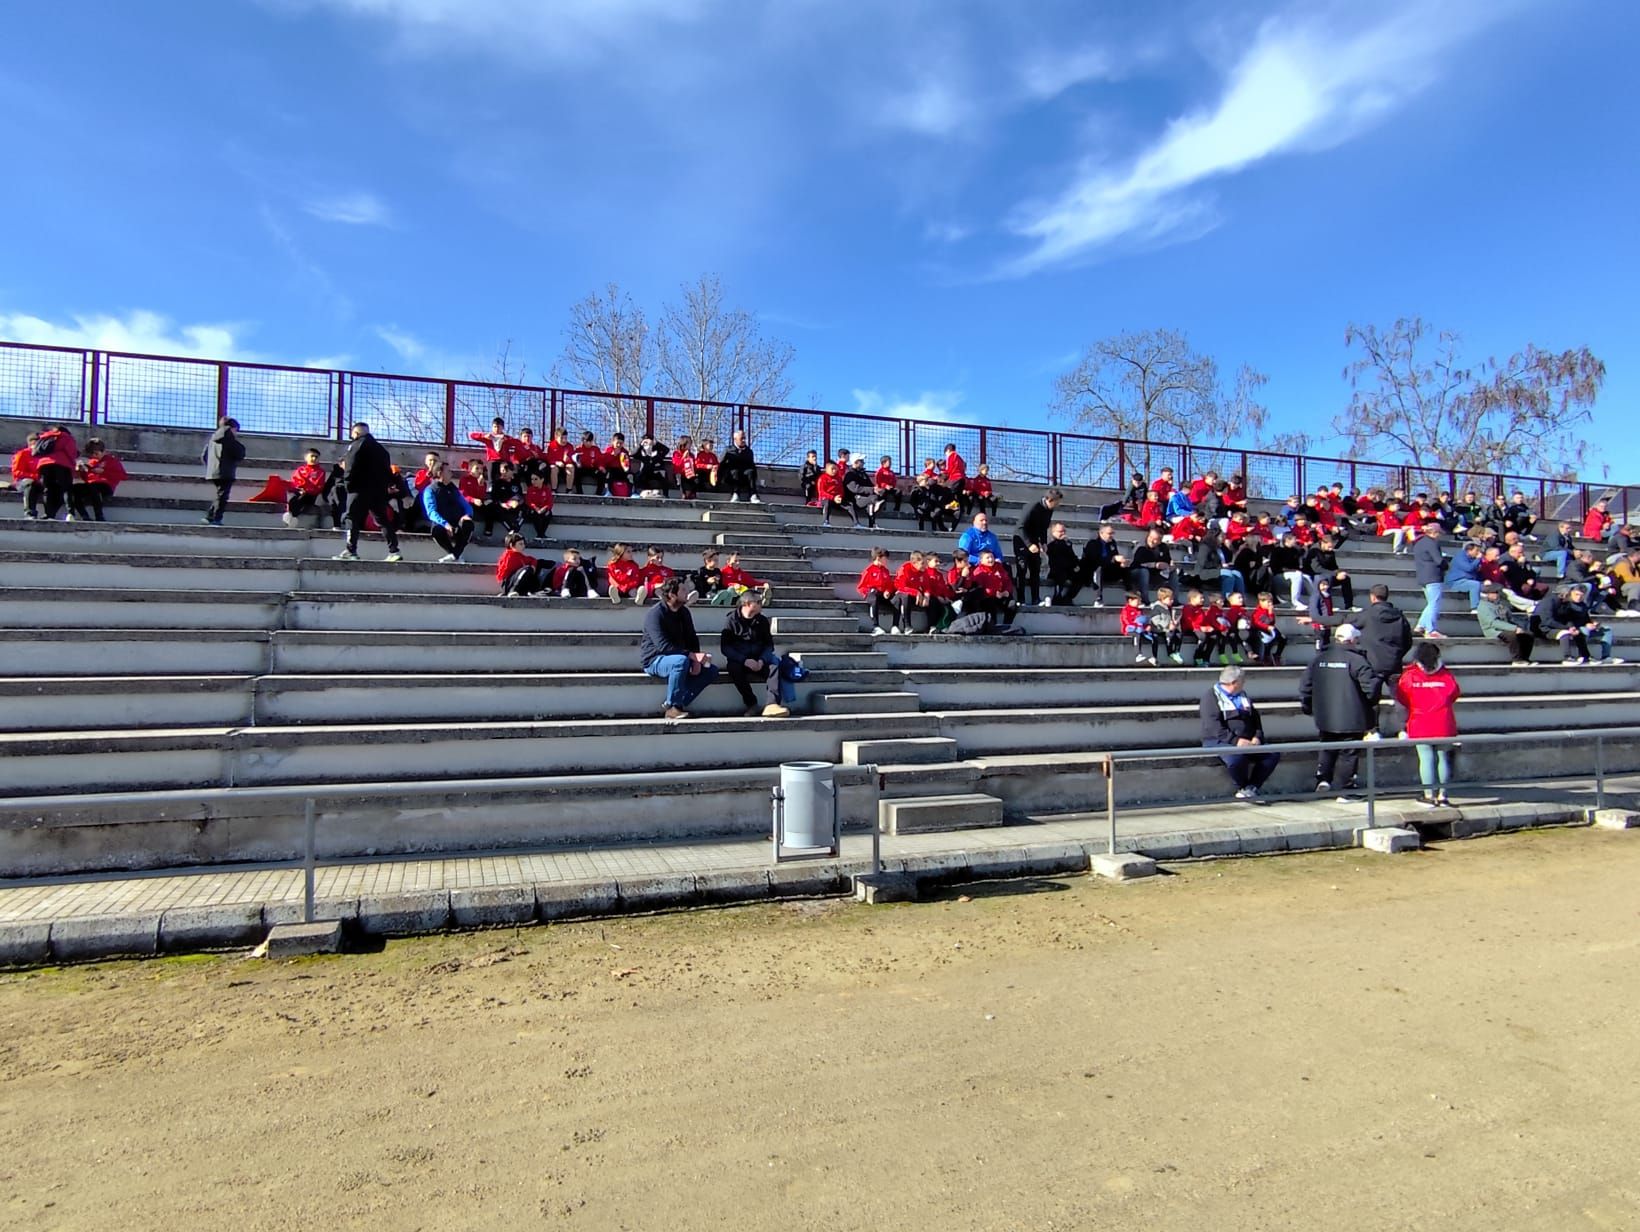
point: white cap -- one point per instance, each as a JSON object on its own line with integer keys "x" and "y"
{"x": 1347, "y": 633}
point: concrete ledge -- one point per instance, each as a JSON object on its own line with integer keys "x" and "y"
{"x": 413, "y": 911}
{"x": 733, "y": 885}
{"x": 492, "y": 906}
{"x": 25, "y": 943}
{"x": 1614, "y": 819}
{"x": 559, "y": 900}
{"x": 289, "y": 911}
{"x": 1126, "y": 866}
{"x": 1390, "y": 839}
{"x": 204, "y": 928}
{"x": 300, "y": 940}
{"x": 102, "y": 936}
{"x": 655, "y": 893}
{"x": 798, "y": 878}
{"x": 885, "y": 888}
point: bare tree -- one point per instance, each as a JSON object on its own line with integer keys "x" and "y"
{"x": 1151, "y": 386}
{"x": 710, "y": 352}
{"x": 1412, "y": 392}
{"x": 608, "y": 348}
{"x": 501, "y": 393}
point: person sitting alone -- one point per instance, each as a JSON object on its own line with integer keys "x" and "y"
{"x": 1230, "y": 720}
{"x": 307, "y": 486}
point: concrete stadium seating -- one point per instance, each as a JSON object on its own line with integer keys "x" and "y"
{"x": 152, "y": 665}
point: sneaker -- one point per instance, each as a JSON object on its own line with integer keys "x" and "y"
{"x": 774, "y": 710}
{"x": 894, "y": 629}
{"x": 393, "y": 558}
{"x": 735, "y": 499}
{"x": 755, "y": 501}
{"x": 68, "y": 517}
{"x": 1612, "y": 662}
{"x": 1577, "y": 662}
{"x": 1436, "y": 635}
{"x": 1442, "y": 799}
{"x": 1245, "y": 793}
{"x": 1321, "y": 785}
{"x": 447, "y": 559}
{"x": 34, "y": 515}
{"x": 766, "y": 593}
{"x": 344, "y": 554}
{"x": 1139, "y": 658}
{"x": 614, "y": 595}
{"x": 879, "y": 631}
{"x": 638, "y": 597}
{"x": 1427, "y": 799}
{"x": 564, "y": 593}
{"x": 1045, "y": 603}
{"x": 1151, "y": 659}
{"x": 1520, "y": 663}
{"x": 1176, "y": 658}
{"x": 672, "y": 712}
{"x": 288, "y": 518}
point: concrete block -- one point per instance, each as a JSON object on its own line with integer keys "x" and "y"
{"x": 1047, "y": 859}
{"x": 202, "y": 928}
{"x": 492, "y": 906}
{"x": 1124, "y": 866}
{"x": 733, "y": 885}
{"x": 925, "y": 814}
{"x": 1260, "y": 839}
{"x": 300, "y": 940}
{"x": 794, "y": 879}
{"x": 289, "y": 911}
{"x": 102, "y": 936}
{"x": 1312, "y": 836}
{"x": 1156, "y": 846}
{"x": 899, "y": 752}
{"x": 25, "y": 943}
{"x": 409, "y": 911}
{"x": 931, "y": 866}
{"x": 655, "y": 893}
{"x": 1614, "y": 819}
{"x": 985, "y": 863}
{"x": 1466, "y": 826}
{"x": 885, "y": 888}
{"x": 558, "y": 900}
{"x": 1204, "y": 843}
{"x": 1390, "y": 839}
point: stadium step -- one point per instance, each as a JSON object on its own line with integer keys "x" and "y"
{"x": 923, "y": 749}
{"x": 924, "y": 814}
{"x": 803, "y": 625}
{"x": 867, "y": 702}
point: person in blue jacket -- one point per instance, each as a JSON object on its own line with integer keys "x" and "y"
{"x": 978, "y": 537}
{"x": 1463, "y": 574}
{"x": 449, "y": 515}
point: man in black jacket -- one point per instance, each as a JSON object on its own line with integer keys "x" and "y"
{"x": 1385, "y": 638}
{"x": 671, "y": 650}
{"x": 369, "y": 471}
{"x": 1341, "y": 691}
{"x": 1103, "y": 564}
{"x": 748, "y": 652}
{"x": 1030, "y": 541}
{"x": 222, "y": 458}
{"x": 738, "y": 470}
{"x": 1152, "y": 564}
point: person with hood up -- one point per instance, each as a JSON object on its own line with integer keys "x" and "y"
{"x": 1340, "y": 689}
{"x": 1427, "y": 692}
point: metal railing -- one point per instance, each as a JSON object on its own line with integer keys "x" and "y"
{"x": 95, "y": 387}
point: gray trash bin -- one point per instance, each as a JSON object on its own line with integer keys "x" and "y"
{"x": 810, "y": 795}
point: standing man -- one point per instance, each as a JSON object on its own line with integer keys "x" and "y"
{"x": 1340, "y": 690}
{"x": 1385, "y": 638}
{"x": 369, "y": 472}
{"x": 222, "y": 457}
{"x": 1429, "y": 568}
{"x": 738, "y": 470}
{"x": 1030, "y": 542}
{"x": 671, "y": 650}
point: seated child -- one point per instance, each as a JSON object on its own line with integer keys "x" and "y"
{"x": 808, "y": 478}
{"x": 589, "y": 466}
{"x": 472, "y": 483}
{"x": 518, "y": 572}
{"x": 538, "y": 501}
{"x": 505, "y": 502}
{"x": 531, "y": 459}
{"x": 1238, "y": 632}
{"x": 1133, "y": 621}
{"x": 739, "y": 581}
{"x": 1165, "y": 623}
{"x": 877, "y": 585}
{"x": 560, "y": 459}
{"x": 98, "y": 474}
{"x": 684, "y": 468}
{"x": 707, "y": 581}
{"x": 932, "y": 502}
{"x": 887, "y": 485}
{"x": 832, "y": 495}
{"x": 654, "y": 572}
{"x": 575, "y": 578}
{"x": 1202, "y": 622}
{"x": 995, "y": 589}
{"x": 981, "y": 495}
{"x": 1271, "y": 642}
{"x": 623, "y": 575}
{"x": 911, "y": 592}
{"x": 707, "y": 466}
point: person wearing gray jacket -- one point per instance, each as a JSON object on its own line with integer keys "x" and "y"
{"x": 1429, "y": 569}
{"x": 1493, "y": 613}
{"x": 222, "y": 456}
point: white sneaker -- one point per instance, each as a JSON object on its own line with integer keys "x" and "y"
{"x": 755, "y": 501}
{"x": 638, "y": 597}
{"x": 1098, "y": 603}
{"x": 1245, "y": 793}
{"x": 564, "y": 593}
{"x": 1612, "y": 662}
{"x": 68, "y": 517}
{"x": 894, "y": 629}
{"x": 393, "y": 558}
{"x": 878, "y": 631}
{"x": 1045, "y": 603}
{"x": 288, "y": 518}
{"x": 447, "y": 559}
{"x": 614, "y": 595}
{"x": 1139, "y": 658}
{"x": 344, "y": 554}
{"x": 735, "y": 499}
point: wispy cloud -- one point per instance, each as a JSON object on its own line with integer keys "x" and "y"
{"x": 1048, "y": 74}
{"x": 947, "y": 232}
{"x": 937, "y": 404}
{"x": 139, "y": 331}
{"x": 310, "y": 271}
{"x": 1300, "y": 87}
{"x": 356, "y": 209}
{"x": 934, "y": 105}
{"x": 406, "y": 346}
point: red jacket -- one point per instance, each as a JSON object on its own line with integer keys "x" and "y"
{"x": 23, "y": 465}
{"x": 1389, "y": 521}
{"x": 910, "y": 580}
{"x": 933, "y": 582}
{"x": 105, "y": 469}
{"x": 1199, "y": 489}
{"x": 511, "y": 559}
{"x": 734, "y": 575}
{"x": 1235, "y": 532}
{"x": 828, "y": 487}
{"x": 558, "y": 452}
{"x": 506, "y": 451}
{"x": 980, "y": 485}
{"x": 875, "y": 578}
{"x": 955, "y": 467}
{"x": 705, "y": 460}
{"x": 624, "y": 574}
{"x": 1129, "y": 618}
{"x": 1595, "y": 526}
{"x": 1202, "y": 618}
{"x": 653, "y": 576}
{"x": 538, "y": 497}
{"x": 1160, "y": 491}
{"x": 589, "y": 457}
{"x": 473, "y": 488}
{"x": 64, "y": 451}
{"x": 614, "y": 457}
{"x": 994, "y": 580}
{"x": 1428, "y": 698}
{"x": 885, "y": 479}
{"x": 1150, "y": 514}
{"x": 561, "y": 573}
{"x": 311, "y": 479}
{"x": 423, "y": 478}
{"x": 684, "y": 464}
{"x": 956, "y": 582}
{"x": 1264, "y": 619}
{"x": 1187, "y": 529}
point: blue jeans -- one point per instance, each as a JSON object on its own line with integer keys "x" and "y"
{"x": 681, "y": 687}
{"x": 1429, "y": 618}
{"x": 1561, "y": 557}
{"x": 1231, "y": 581}
{"x": 1467, "y": 586}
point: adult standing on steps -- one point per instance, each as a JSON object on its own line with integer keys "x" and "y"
{"x": 222, "y": 457}
{"x": 738, "y": 470}
{"x": 671, "y": 650}
{"x": 1231, "y": 720}
{"x": 1429, "y": 567}
{"x": 1030, "y": 543}
{"x": 369, "y": 471}
{"x": 1340, "y": 689}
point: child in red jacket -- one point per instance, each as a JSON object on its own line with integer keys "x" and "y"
{"x": 472, "y": 485}
{"x": 574, "y": 579}
{"x": 518, "y": 572}
{"x": 911, "y": 592}
{"x": 707, "y": 465}
{"x": 1238, "y": 627}
{"x": 589, "y": 466}
{"x": 1201, "y": 622}
{"x": 829, "y": 490}
{"x": 983, "y": 496}
{"x": 1427, "y": 692}
{"x": 307, "y": 485}
{"x": 1269, "y": 639}
{"x": 877, "y": 585}
{"x": 653, "y": 573}
{"x": 623, "y": 575}
{"x": 25, "y": 476}
{"x": 740, "y": 581}
{"x": 532, "y": 458}
{"x": 1133, "y": 621}
{"x": 995, "y": 592}
{"x": 886, "y": 481}
{"x": 559, "y": 455}
{"x": 538, "y": 500}
{"x": 498, "y": 446}
{"x": 99, "y": 473}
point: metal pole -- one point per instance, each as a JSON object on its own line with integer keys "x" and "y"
{"x": 310, "y": 828}
{"x": 876, "y": 833}
{"x": 1110, "y": 805}
{"x": 1372, "y": 789}
{"x": 1599, "y": 771}
{"x": 777, "y": 819}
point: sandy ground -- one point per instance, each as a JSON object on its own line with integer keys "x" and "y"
{"x": 1338, "y": 1041}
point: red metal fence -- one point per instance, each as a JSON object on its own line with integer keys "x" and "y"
{"x": 67, "y": 384}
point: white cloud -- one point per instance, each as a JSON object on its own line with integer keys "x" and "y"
{"x": 408, "y": 348}
{"x": 933, "y": 106}
{"x": 1300, "y": 87}
{"x": 1048, "y": 74}
{"x": 947, "y": 232}
{"x": 938, "y": 404}
{"x": 141, "y": 332}
{"x": 355, "y": 209}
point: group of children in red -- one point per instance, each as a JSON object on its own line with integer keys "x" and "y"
{"x": 923, "y": 597}
{"x": 720, "y": 580}
{"x": 943, "y": 492}
{"x": 50, "y": 471}
{"x": 1231, "y": 633}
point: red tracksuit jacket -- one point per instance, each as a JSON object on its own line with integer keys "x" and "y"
{"x": 875, "y": 578}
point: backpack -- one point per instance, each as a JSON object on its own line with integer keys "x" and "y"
{"x": 44, "y": 446}
{"x": 970, "y": 625}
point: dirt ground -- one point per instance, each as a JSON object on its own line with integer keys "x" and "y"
{"x": 1338, "y": 1041}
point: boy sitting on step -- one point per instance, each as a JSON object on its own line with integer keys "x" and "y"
{"x": 911, "y": 592}
{"x": 886, "y": 482}
{"x": 623, "y": 575}
{"x": 737, "y": 579}
{"x": 877, "y": 585}
{"x": 538, "y": 501}
{"x": 1269, "y": 640}
{"x": 1133, "y": 621}
{"x": 307, "y": 485}
{"x": 505, "y": 502}
{"x": 1200, "y": 621}
{"x": 995, "y": 588}
{"x": 518, "y": 572}
{"x": 1238, "y": 631}
{"x": 707, "y": 581}
{"x": 809, "y": 477}
{"x": 1164, "y": 621}
{"x": 575, "y": 578}
{"x": 981, "y": 496}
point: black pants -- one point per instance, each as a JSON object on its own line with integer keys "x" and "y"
{"x": 372, "y": 504}
{"x": 218, "y": 506}
{"x": 1520, "y": 645}
{"x": 524, "y": 580}
{"x": 86, "y": 499}
{"x": 454, "y": 542}
{"x": 1208, "y": 644}
{"x": 512, "y": 519}
{"x": 299, "y": 502}
{"x": 593, "y": 475}
{"x": 846, "y": 504}
{"x": 1337, "y": 766}
{"x": 742, "y": 481}
{"x": 890, "y": 496}
{"x": 742, "y": 677}
{"x": 56, "y": 482}
{"x": 1027, "y": 570}
{"x": 1250, "y": 769}
{"x": 1270, "y": 652}
{"x": 539, "y": 519}
{"x": 579, "y": 582}
{"x": 688, "y": 486}
{"x": 883, "y": 611}
{"x": 653, "y": 476}
{"x": 905, "y": 605}
{"x": 29, "y": 490}
{"x": 1001, "y": 611}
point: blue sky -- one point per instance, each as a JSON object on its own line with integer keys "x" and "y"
{"x": 937, "y": 203}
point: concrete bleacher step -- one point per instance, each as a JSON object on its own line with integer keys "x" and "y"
{"x": 922, "y": 749}
{"x": 929, "y": 778}
{"x": 926, "y": 814}
{"x": 867, "y": 702}
{"x": 800, "y": 624}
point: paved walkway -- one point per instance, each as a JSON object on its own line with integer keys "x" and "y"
{"x": 63, "y": 918}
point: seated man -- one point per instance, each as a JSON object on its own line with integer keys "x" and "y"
{"x": 748, "y": 652}
{"x": 671, "y": 651}
{"x": 1230, "y": 720}
{"x": 980, "y": 538}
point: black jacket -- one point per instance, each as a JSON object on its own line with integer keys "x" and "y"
{"x": 1147, "y": 557}
{"x": 1221, "y": 727}
{"x": 1429, "y": 565}
{"x": 666, "y": 632}
{"x": 1034, "y": 529}
{"x": 1062, "y": 560}
{"x": 1340, "y": 689}
{"x": 1385, "y": 637}
{"x": 1555, "y": 612}
{"x": 745, "y": 639}
{"x": 223, "y": 455}
{"x": 737, "y": 460}
{"x": 369, "y": 467}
